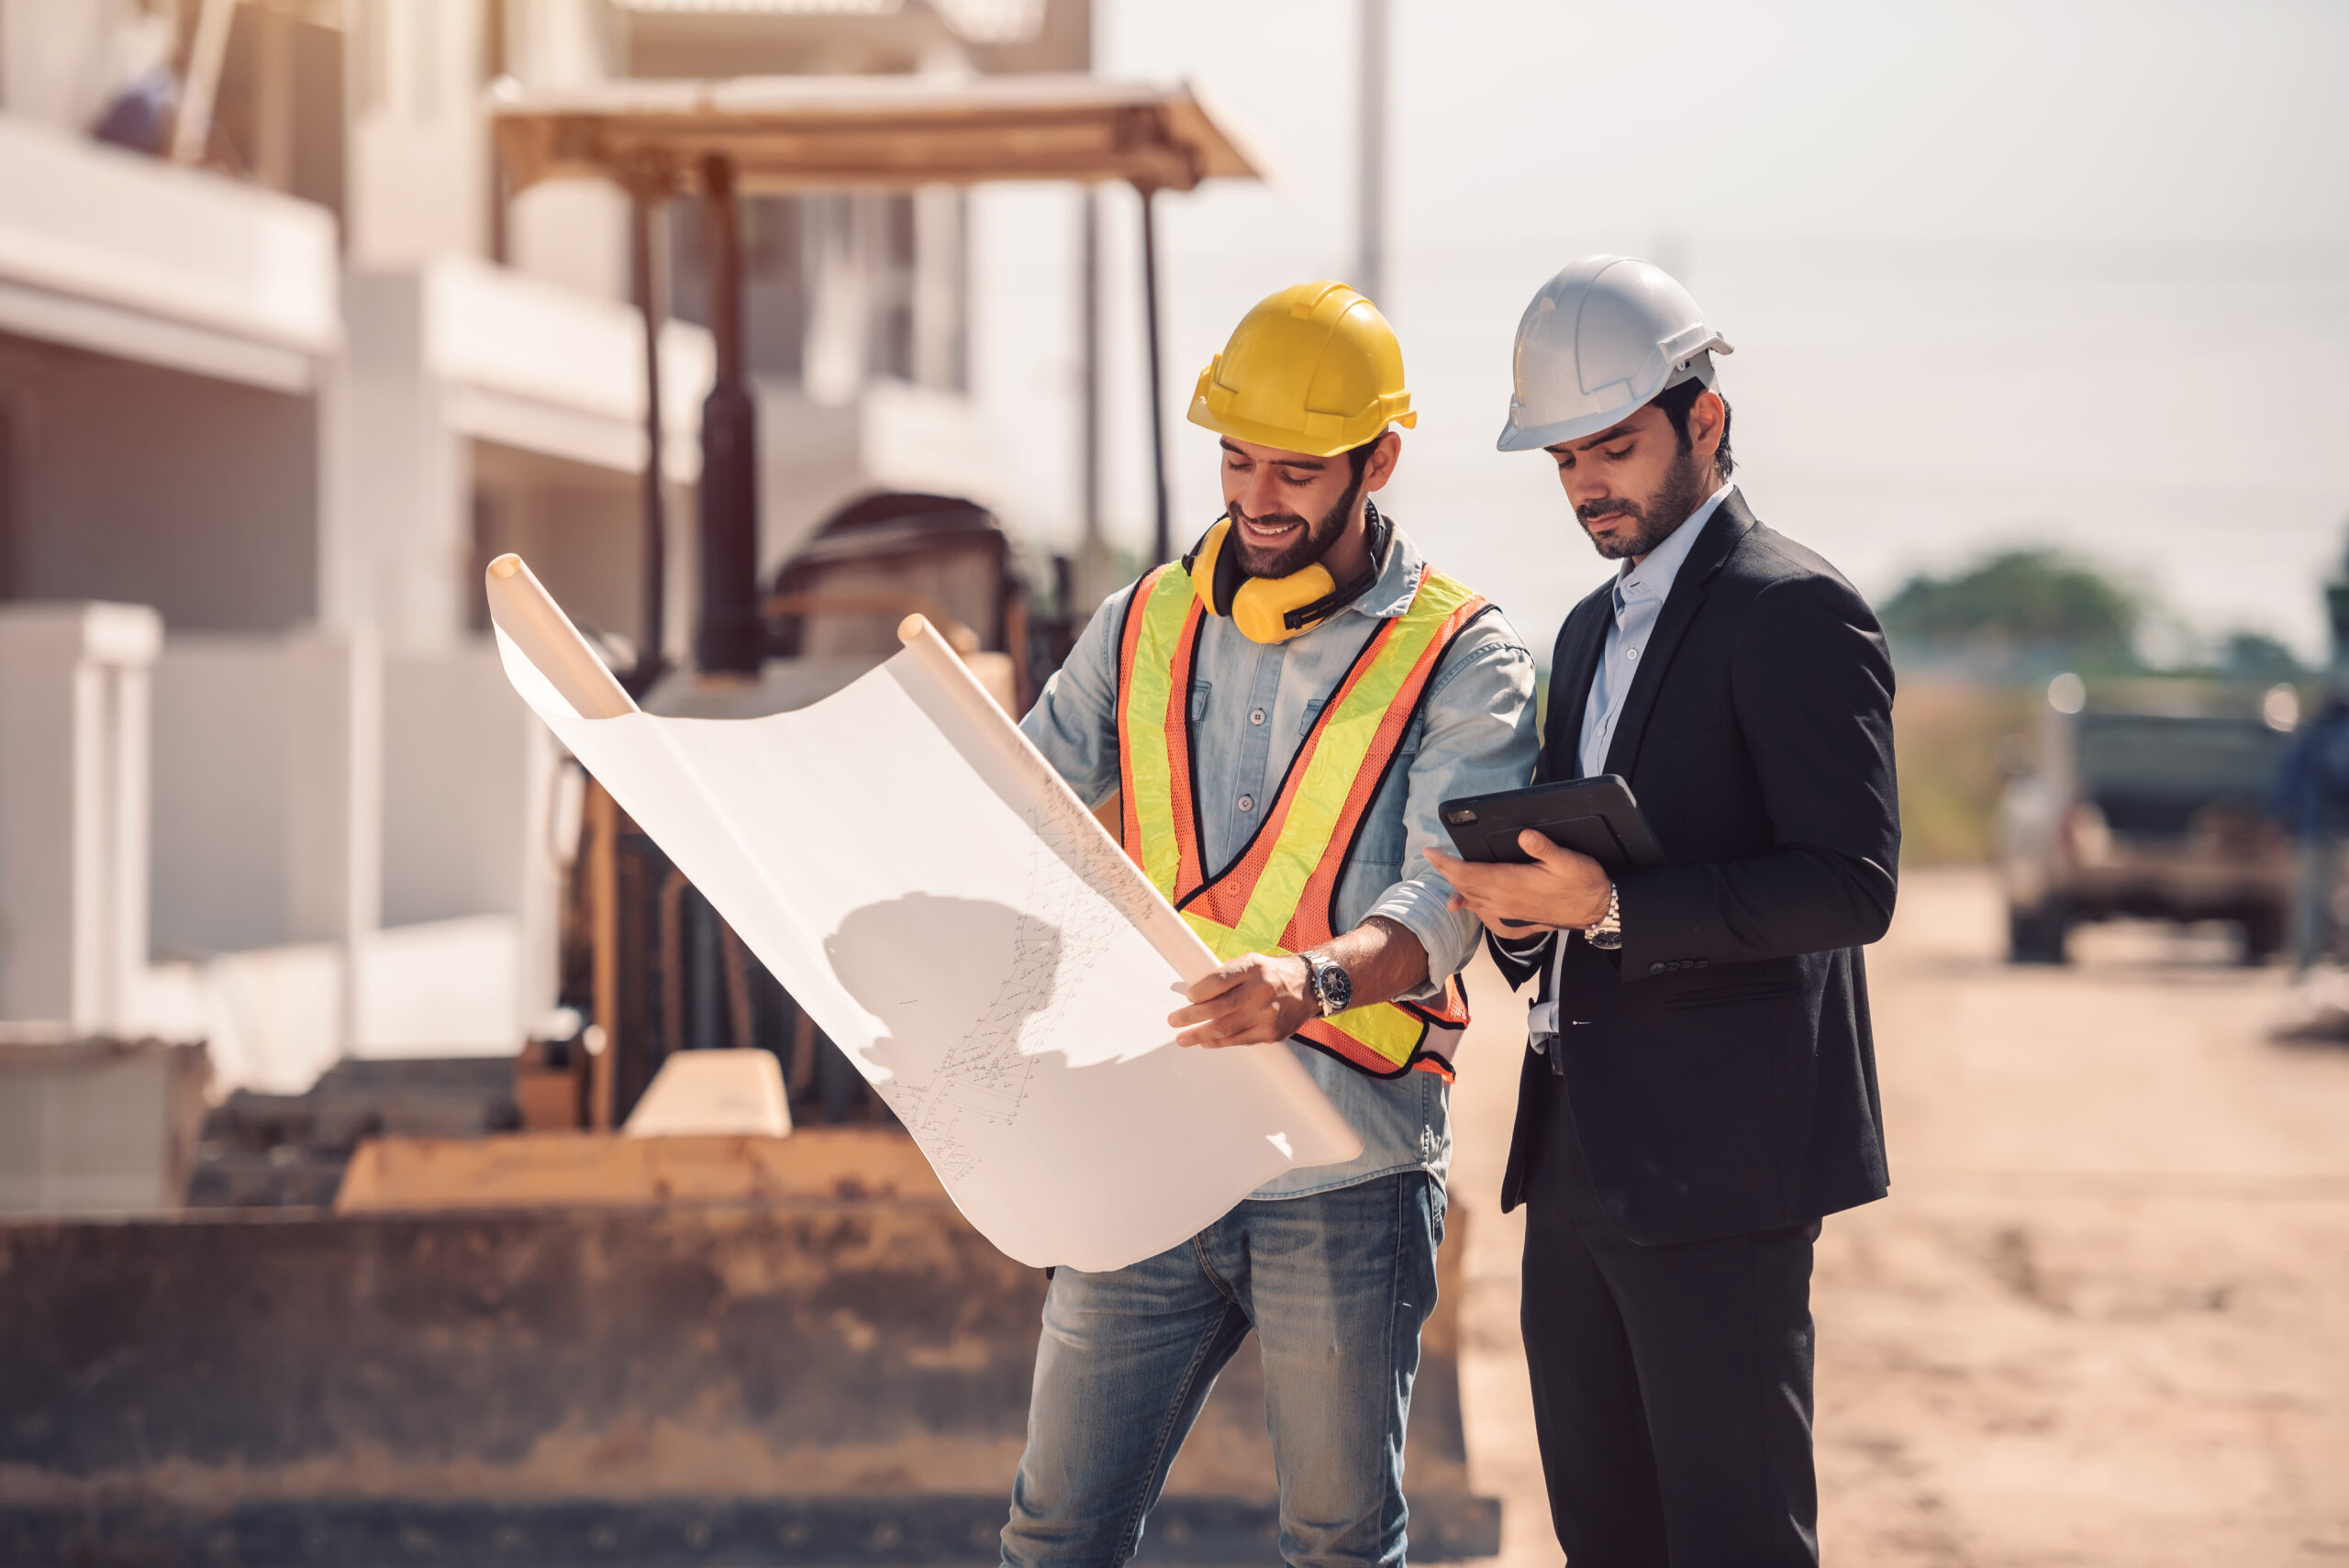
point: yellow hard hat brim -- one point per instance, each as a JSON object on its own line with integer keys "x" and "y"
{"x": 1351, "y": 435}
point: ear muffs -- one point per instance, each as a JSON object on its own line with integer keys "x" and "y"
{"x": 1268, "y": 609}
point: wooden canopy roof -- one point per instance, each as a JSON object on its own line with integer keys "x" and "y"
{"x": 805, "y": 133}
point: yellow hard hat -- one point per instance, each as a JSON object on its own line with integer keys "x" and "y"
{"x": 1313, "y": 369}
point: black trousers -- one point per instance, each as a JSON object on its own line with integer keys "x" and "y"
{"x": 1671, "y": 1384}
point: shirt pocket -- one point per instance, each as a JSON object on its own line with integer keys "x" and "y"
{"x": 1199, "y": 690}
{"x": 1385, "y": 833}
{"x": 1313, "y": 706}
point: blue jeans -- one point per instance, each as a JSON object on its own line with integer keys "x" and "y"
{"x": 1335, "y": 1284}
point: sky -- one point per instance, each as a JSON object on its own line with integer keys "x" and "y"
{"x": 2056, "y": 273}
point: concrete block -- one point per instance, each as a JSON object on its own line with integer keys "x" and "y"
{"x": 712, "y": 1093}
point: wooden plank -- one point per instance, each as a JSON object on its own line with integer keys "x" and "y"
{"x": 589, "y": 1170}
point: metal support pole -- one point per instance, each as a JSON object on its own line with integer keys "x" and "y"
{"x": 207, "y": 54}
{"x": 654, "y": 561}
{"x": 1370, "y": 205}
{"x": 604, "y": 904}
{"x": 1089, "y": 554}
{"x": 729, "y": 640}
{"x": 1162, "y": 542}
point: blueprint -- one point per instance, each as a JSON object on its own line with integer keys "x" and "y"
{"x": 956, "y": 921}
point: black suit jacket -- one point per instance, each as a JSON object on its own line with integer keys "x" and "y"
{"x": 1718, "y": 1066}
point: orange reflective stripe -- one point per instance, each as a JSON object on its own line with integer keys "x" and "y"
{"x": 1156, "y": 822}
{"x": 1226, "y": 899}
{"x": 1190, "y": 858}
{"x": 1278, "y": 895}
{"x": 1323, "y": 1033}
{"x": 1316, "y": 904}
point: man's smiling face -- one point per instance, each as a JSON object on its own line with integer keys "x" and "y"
{"x": 1286, "y": 509}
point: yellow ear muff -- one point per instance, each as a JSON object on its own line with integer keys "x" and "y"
{"x": 1258, "y": 606}
{"x": 1261, "y": 609}
{"x": 1206, "y": 564}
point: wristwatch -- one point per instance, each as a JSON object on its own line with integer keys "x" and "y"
{"x": 1334, "y": 988}
{"x": 1606, "y": 933}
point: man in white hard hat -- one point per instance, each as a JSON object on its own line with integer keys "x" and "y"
{"x": 1701, "y": 1087}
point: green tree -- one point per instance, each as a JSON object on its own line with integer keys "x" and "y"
{"x": 2017, "y": 611}
{"x": 2256, "y": 656}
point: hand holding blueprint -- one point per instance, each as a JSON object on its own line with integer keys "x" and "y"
{"x": 933, "y": 895}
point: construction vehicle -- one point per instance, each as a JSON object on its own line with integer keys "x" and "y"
{"x": 574, "y": 1346}
{"x": 2148, "y": 802}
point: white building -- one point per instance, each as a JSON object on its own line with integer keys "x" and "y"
{"x": 271, "y": 409}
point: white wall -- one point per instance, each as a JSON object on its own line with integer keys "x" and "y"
{"x": 74, "y": 703}
{"x": 469, "y": 782}
{"x": 143, "y": 485}
{"x": 221, "y": 855}
{"x": 353, "y": 853}
{"x": 267, "y": 780}
{"x": 459, "y": 352}
{"x": 60, "y": 60}
{"x": 122, "y": 232}
{"x": 418, "y": 146}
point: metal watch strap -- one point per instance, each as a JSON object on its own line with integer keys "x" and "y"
{"x": 1606, "y": 933}
{"x": 1316, "y": 967}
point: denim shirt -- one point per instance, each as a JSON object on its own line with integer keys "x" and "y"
{"x": 1251, "y": 704}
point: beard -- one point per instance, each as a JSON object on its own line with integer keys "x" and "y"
{"x": 1654, "y": 519}
{"x": 1308, "y": 547}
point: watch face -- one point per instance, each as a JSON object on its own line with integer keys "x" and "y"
{"x": 1337, "y": 986}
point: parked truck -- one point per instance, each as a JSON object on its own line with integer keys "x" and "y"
{"x": 2147, "y": 803}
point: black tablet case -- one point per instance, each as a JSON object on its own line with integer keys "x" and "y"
{"x": 1596, "y": 817}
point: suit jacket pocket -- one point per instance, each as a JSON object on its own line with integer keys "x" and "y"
{"x": 1768, "y": 981}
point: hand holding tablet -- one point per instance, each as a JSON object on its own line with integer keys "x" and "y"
{"x": 1596, "y": 816}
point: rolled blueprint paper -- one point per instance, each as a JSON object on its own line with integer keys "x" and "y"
{"x": 956, "y": 921}
{"x": 522, "y": 609}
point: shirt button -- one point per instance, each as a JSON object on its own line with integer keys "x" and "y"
{"x": 1630, "y": 654}
{"x": 1255, "y": 715}
{"x": 1247, "y": 803}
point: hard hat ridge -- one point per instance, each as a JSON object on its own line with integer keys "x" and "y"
{"x": 1313, "y": 369}
{"x": 1597, "y": 341}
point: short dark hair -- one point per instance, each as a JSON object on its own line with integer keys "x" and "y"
{"x": 1676, "y": 401}
{"x": 1360, "y": 456}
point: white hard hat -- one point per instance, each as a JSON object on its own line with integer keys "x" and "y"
{"x": 1601, "y": 338}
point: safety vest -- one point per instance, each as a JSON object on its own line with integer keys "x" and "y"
{"x": 1279, "y": 895}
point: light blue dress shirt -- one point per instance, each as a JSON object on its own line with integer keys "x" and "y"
{"x": 1251, "y": 704}
{"x": 1640, "y": 591}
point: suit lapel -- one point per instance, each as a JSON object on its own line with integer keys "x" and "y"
{"x": 1729, "y": 522}
{"x": 1572, "y": 664}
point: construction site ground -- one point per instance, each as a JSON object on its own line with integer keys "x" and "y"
{"x": 2103, "y": 1317}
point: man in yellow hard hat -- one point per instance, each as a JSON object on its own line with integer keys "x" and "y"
{"x": 1278, "y": 716}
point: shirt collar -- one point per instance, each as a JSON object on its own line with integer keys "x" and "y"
{"x": 1656, "y": 574}
{"x": 1397, "y": 583}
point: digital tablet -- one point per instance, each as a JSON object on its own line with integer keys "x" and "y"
{"x": 1595, "y": 816}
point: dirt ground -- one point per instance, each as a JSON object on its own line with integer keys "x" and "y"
{"x": 2103, "y": 1317}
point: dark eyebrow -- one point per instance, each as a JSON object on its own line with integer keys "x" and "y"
{"x": 1296, "y": 460}
{"x": 1603, "y": 438}
{"x": 1612, "y": 433}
